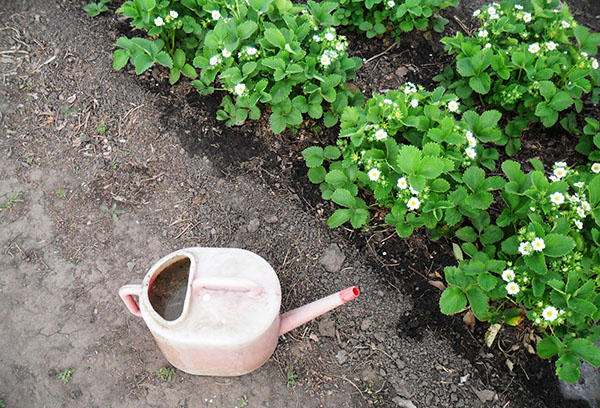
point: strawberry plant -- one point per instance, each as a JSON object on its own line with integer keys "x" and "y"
{"x": 542, "y": 266}
{"x": 376, "y": 17}
{"x": 268, "y": 54}
{"x": 409, "y": 155}
{"x": 532, "y": 59}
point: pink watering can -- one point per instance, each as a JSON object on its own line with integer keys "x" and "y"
{"x": 223, "y": 318}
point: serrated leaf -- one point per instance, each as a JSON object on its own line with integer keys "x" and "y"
{"x": 586, "y": 350}
{"x": 343, "y": 197}
{"x": 339, "y": 217}
{"x": 548, "y": 347}
{"x": 453, "y": 300}
{"x": 558, "y": 245}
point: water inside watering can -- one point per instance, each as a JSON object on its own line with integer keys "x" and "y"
{"x": 167, "y": 293}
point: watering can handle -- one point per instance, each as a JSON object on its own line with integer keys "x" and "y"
{"x": 127, "y": 292}
{"x": 231, "y": 284}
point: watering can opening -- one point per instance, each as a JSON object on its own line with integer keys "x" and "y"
{"x": 167, "y": 291}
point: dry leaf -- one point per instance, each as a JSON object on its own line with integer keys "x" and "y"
{"x": 491, "y": 333}
{"x": 509, "y": 364}
{"x": 438, "y": 284}
{"x": 314, "y": 337}
{"x": 469, "y": 319}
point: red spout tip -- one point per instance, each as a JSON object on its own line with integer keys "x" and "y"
{"x": 349, "y": 294}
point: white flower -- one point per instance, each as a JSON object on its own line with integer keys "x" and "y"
{"x": 388, "y": 101}
{"x": 512, "y": 288}
{"x": 329, "y": 36}
{"x": 578, "y": 224}
{"x": 413, "y": 203}
{"x": 596, "y": 168}
{"x": 533, "y": 48}
{"x": 226, "y": 20}
{"x": 173, "y": 14}
{"x": 508, "y": 275}
{"x": 226, "y": 53}
{"x": 550, "y": 313}
{"x": 584, "y": 54}
{"x": 557, "y": 198}
{"x": 452, "y": 106}
{"x": 316, "y": 38}
{"x": 580, "y": 212}
{"x": 491, "y": 10}
{"x": 518, "y": 7}
{"x": 488, "y": 45}
{"x": 586, "y": 206}
{"x": 560, "y": 164}
{"x": 412, "y": 190}
{"x": 595, "y": 63}
{"x": 538, "y": 244}
{"x": 391, "y": 3}
{"x": 158, "y": 21}
{"x": 551, "y": 45}
{"x": 471, "y": 140}
{"x": 526, "y": 17}
{"x": 214, "y": 60}
{"x": 402, "y": 184}
{"x": 537, "y": 320}
{"x": 251, "y": 51}
{"x": 532, "y": 209}
{"x": 525, "y": 248}
{"x": 574, "y": 199}
{"x": 565, "y": 24}
{"x": 470, "y": 152}
{"x": 476, "y": 13}
{"x": 579, "y": 184}
{"x": 325, "y": 60}
{"x": 339, "y": 46}
{"x": 240, "y": 88}
{"x": 414, "y": 103}
{"x": 482, "y": 34}
{"x": 216, "y": 14}
{"x": 381, "y": 134}
{"x": 374, "y": 174}
{"x": 494, "y": 16}
{"x": 560, "y": 172}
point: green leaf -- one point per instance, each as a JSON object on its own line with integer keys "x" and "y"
{"x": 547, "y": 89}
{"x": 474, "y": 178}
{"x": 142, "y": 62}
{"x": 487, "y": 281}
{"x": 586, "y": 350}
{"x": 558, "y": 245}
{"x": 332, "y": 152}
{"x": 408, "y": 159}
{"x": 336, "y": 178}
{"x": 481, "y": 83}
{"x": 317, "y": 174}
{"x": 567, "y": 368}
{"x": 359, "y": 217}
{"x": 313, "y": 156}
{"x": 430, "y": 167}
{"x": 537, "y": 262}
{"x": 479, "y": 302}
{"x": 120, "y": 58}
{"x": 466, "y": 234}
{"x": 453, "y": 300}
{"x": 548, "y": 347}
{"x": 275, "y": 37}
{"x": 246, "y": 29}
{"x": 491, "y": 235}
{"x": 343, "y": 197}
{"x": 582, "y": 306}
{"x": 278, "y": 123}
{"x": 188, "y": 71}
{"x": 164, "y": 59}
{"x": 561, "y": 101}
{"x": 339, "y": 217}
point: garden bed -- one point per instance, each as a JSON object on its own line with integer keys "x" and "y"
{"x": 183, "y": 178}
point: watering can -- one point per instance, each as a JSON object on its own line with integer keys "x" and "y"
{"x": 229, "y": 322}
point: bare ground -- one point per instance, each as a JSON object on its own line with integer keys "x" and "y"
{"x": 63, "y": 258}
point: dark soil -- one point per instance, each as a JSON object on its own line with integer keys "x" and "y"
{"x": 184, "y": 179}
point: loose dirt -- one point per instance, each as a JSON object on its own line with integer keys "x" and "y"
{"x": 115, "y": 171}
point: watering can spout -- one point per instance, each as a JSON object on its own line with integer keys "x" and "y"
{"x": 297, "y": 317}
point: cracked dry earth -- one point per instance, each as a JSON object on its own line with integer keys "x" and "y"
{"x": 63, "y": 257}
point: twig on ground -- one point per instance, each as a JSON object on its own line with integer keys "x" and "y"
{"x": 381, "y": 53}
{"x": 463, "y": 26}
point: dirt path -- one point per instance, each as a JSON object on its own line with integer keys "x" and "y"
{"x": 63, "y": 258}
